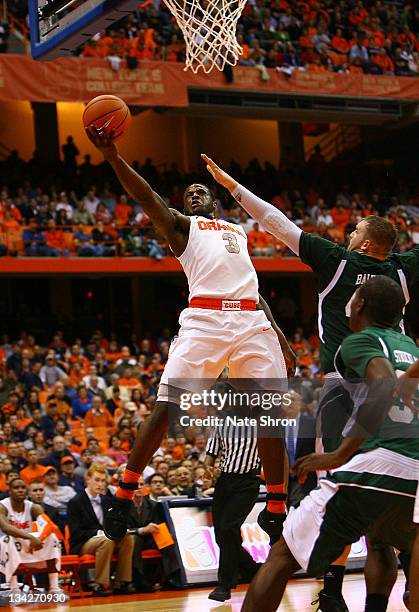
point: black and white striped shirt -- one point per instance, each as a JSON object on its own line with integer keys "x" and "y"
{"x": 236, "y": 446}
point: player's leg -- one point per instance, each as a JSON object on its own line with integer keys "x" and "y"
{"x": 393, "y": 530}
{"x": 380, "y": 576}
{"x": 335, "y": 407}
{"x": 413, "y": 598}
{"x": 268, "y": 586}
{"x": 258, "y": 357}
{"x": 316, "y": 520}
{"x": 197, "y": 354}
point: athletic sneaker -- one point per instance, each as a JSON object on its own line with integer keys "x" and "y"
{"x": 406, "y": 597}
{"x": 328, "y": 603}
{"x": 220, "y": 594}
{"x": 272, "y": 524}
{"x": 115, "y": 518}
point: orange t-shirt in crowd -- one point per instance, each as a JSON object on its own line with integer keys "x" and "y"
{"x": 178, "y": 452}
{"x": 340, "y": 44}
{"x": 314, "y": 341}
{"x": 55, "y": 239}
{"x": 340, "y": 217}
{"x": 103, "y": 419}
{"x": 112, "y": 356}
{"x": 129, "y": 382}
{"x": 3, "y": 483}
{"x": 306, "y": 42}
{"x": 29, "y": 474}
{"x": 122, "y": 213}
{"x": 385, "y": 62}
{"x": 258, "y": 239}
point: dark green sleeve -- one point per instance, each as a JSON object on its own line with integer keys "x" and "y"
{"x": 356, "y": 352}
{"x": 323, "y": 256}
{"x": 409, "y": 262}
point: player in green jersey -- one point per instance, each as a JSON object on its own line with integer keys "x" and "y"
{"x": 339, "y": 272}
{"x": 373, "y": 474}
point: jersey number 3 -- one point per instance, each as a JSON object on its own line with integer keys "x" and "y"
{"x": 231, "y": 245}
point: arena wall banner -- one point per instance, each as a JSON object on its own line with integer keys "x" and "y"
{"x": 166, "y": 83}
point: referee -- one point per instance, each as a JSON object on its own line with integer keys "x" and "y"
{"x": 236, "y": 492}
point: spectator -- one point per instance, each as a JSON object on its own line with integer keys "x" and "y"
{"x": 260, "y": 243}
{"x": 58, "y": 452}
{"x": 55, "y": 495}
{"x": 50, "y": 373}
{"x": 68, "y": 477}
{"x": 145, "y": 515}
{"x": 34, "y": 470}
{"x": 36, "y": 494}
{"x": 81, "y": 403}
{"x": 85, "y": 518}
{"x": 98, "y": 415}
{"x": 358, "y": 52}
{"x": 70, "y": 154}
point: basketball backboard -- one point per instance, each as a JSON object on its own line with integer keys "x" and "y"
{"x": 58, "y": 27}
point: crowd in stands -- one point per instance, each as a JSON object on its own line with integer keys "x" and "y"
{"x": 69, "y": 413}
{"x": 43, "y": 217}
{"x": 371, "y": 36}
{"x": 358, "y": 36}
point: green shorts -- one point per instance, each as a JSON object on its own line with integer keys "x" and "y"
{"x": 356, "y": 500}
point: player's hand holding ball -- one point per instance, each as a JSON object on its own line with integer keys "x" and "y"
{"x": 106, "y": 119}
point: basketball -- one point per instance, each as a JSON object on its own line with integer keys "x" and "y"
{"x": 107, "y": 113}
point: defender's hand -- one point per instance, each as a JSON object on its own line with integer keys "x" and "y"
{"x": 314, "y": 462}
{"x": 218, "y": 174}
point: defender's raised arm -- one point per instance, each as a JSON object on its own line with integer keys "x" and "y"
{"x": 272, "y": 219}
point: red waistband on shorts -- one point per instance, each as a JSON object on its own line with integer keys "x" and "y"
{"x": 222, "y": 304}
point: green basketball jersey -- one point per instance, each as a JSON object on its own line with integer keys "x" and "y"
{"x": 400, "y": 429}
{"x": 340, "y": 272}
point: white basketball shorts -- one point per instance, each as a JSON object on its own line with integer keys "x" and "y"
{"x": 210, "y": 340}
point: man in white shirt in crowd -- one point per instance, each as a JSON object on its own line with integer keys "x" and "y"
{"x": 56, "y": 495}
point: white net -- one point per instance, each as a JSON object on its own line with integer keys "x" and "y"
{"x": 209, "y": 29}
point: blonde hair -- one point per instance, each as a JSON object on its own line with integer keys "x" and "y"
{"x": 96, "y": 469}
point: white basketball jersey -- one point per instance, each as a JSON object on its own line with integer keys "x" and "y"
{"x": 21, "y": 520}
{"x": 217, "y": 263}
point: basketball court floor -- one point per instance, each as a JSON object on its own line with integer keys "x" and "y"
{"x": 299, "y": 595}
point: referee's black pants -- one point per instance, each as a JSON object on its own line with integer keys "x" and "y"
{"x": 234, "y": 497}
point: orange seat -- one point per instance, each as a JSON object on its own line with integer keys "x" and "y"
{"x": 151, "y": 553}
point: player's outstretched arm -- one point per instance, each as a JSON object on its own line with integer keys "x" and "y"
{"x": 363, "y": 424}
{"x": 166, "y": 221}
{"x": 272, "y": 219}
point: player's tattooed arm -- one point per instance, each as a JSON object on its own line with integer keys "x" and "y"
{"x": 289, "y": 355}
{"x": 272, "y": 219}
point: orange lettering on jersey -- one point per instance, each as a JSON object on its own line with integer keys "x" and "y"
{"x": 214, "y": 225}
{"x": 23, "y": 525}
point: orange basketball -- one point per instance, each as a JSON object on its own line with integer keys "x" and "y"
{"x": 107, "y": 113}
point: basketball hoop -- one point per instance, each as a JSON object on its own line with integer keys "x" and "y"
{"x": 209, "y": 29}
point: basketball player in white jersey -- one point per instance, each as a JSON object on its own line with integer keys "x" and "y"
{"x": 225, "y": 325}
{"x": 16, "y": 517}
